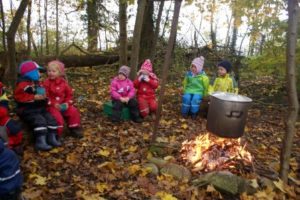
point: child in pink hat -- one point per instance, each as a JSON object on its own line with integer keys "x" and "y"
{"x": 146, "y": 83}
{"x": 122, "y": 94}
{"x": 195, "y": 87}
{"x": 60, "y": 103}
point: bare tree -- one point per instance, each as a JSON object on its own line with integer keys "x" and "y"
{"x": 28, "y": 28}
{"x": 136, "y": 38}
{"x": 46, "y": 26}
{"x": 41, "y": 28}
{"x": 57, "y": 30}
{"x": 3, "y": 26}
{"x": 93, "y": 26}
{"x": 123, "y": 31}
{"x": 167, "y": 62}
{"x": 11, "y": 72}
{"x": 293, "y": 12}
{"x": 156, "y": 33}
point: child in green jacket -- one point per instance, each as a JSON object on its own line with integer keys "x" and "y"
{"x": 195, "y": 87}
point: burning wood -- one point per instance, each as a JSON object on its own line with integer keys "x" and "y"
{"x": 208, "y": 152}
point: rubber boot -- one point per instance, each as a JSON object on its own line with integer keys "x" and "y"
{"x": 76, "y": 132}
{"x": 52, "y": 139}
{"x": 41, "y": 143}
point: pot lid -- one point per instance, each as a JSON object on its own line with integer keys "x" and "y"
{"x": 231, "y": 97}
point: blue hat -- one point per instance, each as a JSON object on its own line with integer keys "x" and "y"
{"x": 226, "y": 64}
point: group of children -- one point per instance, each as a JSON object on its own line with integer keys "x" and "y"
{"x": 46, "y": 105}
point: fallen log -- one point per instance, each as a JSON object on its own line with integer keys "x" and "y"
{"x": 80, "y": 60}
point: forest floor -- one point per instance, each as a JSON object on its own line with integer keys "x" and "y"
{"x": 108, "y": 162}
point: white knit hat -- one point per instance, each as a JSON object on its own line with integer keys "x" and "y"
{"x": 198, "y": 62}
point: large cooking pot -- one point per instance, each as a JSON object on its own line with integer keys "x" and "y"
{"x": 227, "y": 114}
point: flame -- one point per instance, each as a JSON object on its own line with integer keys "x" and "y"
{"x": 208, "y": 152}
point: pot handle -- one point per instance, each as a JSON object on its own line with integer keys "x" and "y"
{"x": 236, "y": 114}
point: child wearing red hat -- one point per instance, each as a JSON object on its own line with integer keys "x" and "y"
{"x": 12, "y": 135}
{"x": 31, "y": 106}
{"x": 146, "y": 83}
{"x": 60, "y": 103}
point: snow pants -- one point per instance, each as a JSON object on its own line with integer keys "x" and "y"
{"x": 147, "y": 105}
{"x": 190, "y": 103}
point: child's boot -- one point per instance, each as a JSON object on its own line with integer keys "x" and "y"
{"x": 52, "y": 139}
{"x": 76, "y": 132}
{"x": 41, "y": 143}
{"x": 194, "y": 116}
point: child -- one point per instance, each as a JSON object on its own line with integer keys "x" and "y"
{"x": 31, "y": 107}
{"x": 122, "y": 94}
{"x": 11, "y": 179}
{"x": 224, "y": 82}
{"x": 195, "y": 87}
{"x": 146, "y": 83}
{"x": 60, "y": 102}
{"x": 13, "y": 131}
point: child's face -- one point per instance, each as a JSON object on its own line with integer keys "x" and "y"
{"x": 194, "y": 69}
{"x": 221, "y": 71}
{"x": 53, "y": 72}
{"x": 121, "y": 76}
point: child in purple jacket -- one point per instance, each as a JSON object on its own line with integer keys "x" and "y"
{"x": 122, "y": 94}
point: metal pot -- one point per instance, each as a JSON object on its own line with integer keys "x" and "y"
{"x": 227, "y": 114}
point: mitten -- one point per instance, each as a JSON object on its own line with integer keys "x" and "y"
{"x": 140, "y": 78}
{"x": 40, "y": 91}
{"x": 146, "y": 78}
{"x": 63, "y": 107}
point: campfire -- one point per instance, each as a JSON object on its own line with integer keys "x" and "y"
{"x": 210, "y": 153}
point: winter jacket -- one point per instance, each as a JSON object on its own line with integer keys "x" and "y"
{"x": 10, "y": 175}
{"x": 121, "y": 88}
{"x": 24, "y": 95}
{"x": 196, "y": 84}
{"x": 224, "y": 84}
{"x": 146, "y": 89}
{"x": 58, "y": 91}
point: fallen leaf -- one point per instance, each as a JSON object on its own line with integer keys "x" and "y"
{"x": 38, "y": 180}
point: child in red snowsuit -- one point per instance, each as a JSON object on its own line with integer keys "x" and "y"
{"x": 13, "y": 134}
{"x": 146, "y": 84}
{"x": 60, "y": 102}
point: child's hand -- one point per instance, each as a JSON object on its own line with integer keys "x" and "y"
{"x": 122, "y": 99}
{"x": 57, "y": 106}
{"x": 141, "y": 78}
{"x": 63, "y": 107}
{"x": 126, "y": 99}
{"x": 146, "y": 78}
{"x": 39, "y": 97}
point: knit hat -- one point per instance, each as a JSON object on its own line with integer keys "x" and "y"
{"x": 198, "y": 62}
{"x": 58, "y": 65}
{"x": 124, "y": 70}
{"x": 29, "y": 69}
{"x": 147, "y": 67}
{"x": 226, "y": 64}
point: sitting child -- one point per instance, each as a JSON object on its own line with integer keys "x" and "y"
{"x": 224, "y": 82}
{"x": 60, "y": 102}
{"x": 146, "y": 84}
{"x": 11, "y": 179}
{"x": 195, "y": 87}
{"x": 122, "y": 94}
{"x": 13, "y": 131}
{"x": 31, "y": 107}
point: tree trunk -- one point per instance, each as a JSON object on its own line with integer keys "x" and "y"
{"x": 41, "y": 29}
{"x": 212, "y": 31}
{"x": 11, "y": 73}
{"x": 46, "y": 26}
{"x": 92, "y": 25}
{"x": 167, "y": 62}
{"x": 57, "y": 30}
{"x": 3, "y": 27}
{"x": 137, "y": 38}
{"x": 28, "y": 27}
{"x": 147, "y": 35}
{"x": 261, "y": 44}
{"x": 166, "y": 21}
{"x": 156, "y": 33}
{"x": 123, "y": 31}
{"x": 293, "y": 12}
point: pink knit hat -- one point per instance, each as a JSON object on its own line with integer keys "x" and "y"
{"x": 198, "y": 62}
{"x": 59, "y": 65}
{"x": 147, "y": 67}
